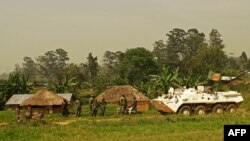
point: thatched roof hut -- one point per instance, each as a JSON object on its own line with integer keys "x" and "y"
{"x": 113, "y": 94}
{"x": 45, "y": 101}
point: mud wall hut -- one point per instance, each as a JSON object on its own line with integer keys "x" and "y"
{"x": 113, "y": 94}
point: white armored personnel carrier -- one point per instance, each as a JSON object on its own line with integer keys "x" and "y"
{"x": 191, "y": 101}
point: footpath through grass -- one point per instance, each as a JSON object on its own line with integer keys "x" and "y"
{"x": 149, "y": 126}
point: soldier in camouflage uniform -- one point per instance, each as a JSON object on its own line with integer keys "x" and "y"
{"x": 91, "y": 100}
{"x": 78, "y": 107}
{"x": 103, "y": 106}
{"x": 65, "y": 111}
{"x": 123, "y": 104}
{"x": 133, "y": 106}
{"x": 94, "y": 108}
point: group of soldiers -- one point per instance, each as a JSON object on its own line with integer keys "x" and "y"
{"x": 124, "y": 108}
{"x": 94, "y": 105}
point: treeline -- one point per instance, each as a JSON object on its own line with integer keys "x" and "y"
{"x": 184, "y": 58}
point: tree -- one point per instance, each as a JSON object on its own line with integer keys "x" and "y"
{"x": 176, "y": 50}
{"x": 207, "y": 58}
{"x": 47, "y": 64}
{"x": 160, "y": 52}
{"x": 179, "y": 48}
{"x": 215, "y": 39}
{"x": 111, "y": 60}
{"x": 52, "y": 64}
{"x": 62, "y": 57}
{"x": 194, "y": 40}
{"x": 92, "y": 65}
{"x": 84, "y": 70}
{"x": 248, "y": 64}
{"x": 29, "y": 68}
{"x": 17, "y": 69}
{"x": 243, "y": 61}
{"x": 232, "y": 66}
{"x": 75, "y": 71}
{"x": 137, "y": 65}
{"x": 233, "y": 63}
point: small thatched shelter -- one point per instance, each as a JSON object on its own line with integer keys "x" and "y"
{"x": 113, "y": 94}
{"x": 44, "y": 101}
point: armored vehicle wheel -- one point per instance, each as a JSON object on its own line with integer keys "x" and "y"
{"x": 185, "y": 110}
{"x": 218, "y": 109}
{"x": 231, "y": 108}
{"x": 200, "y": 110}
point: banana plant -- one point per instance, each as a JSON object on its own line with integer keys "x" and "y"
{"x": 165, "y": 79}
{"x": 67, "y": 85}
{"x": 141, "y": 87}
{"x": 17, "y": 83}
{"x": 192, "y": 81}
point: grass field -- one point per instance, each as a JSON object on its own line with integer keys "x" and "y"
{"x": 146, "y": 126}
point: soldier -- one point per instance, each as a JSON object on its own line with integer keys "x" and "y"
{"x": 103, "y": 106}
{"x": 123, "y": 104}
{"x": 133, "y": 106}
{"x": 65, "y": 108}
{"x": 91, "y": 100}
{"x": 78, "y": 107}
{"x": 94, "y": 108}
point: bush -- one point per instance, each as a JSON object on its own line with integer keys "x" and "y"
{"x": 240, "y": 87}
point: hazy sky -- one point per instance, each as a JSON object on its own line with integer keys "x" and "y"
{"x": 32, "y": 27}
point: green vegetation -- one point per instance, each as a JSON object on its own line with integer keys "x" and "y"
{"x": 16, "y": 84}
{"x": 126, "y": 128}
{"x": 187, "y": 55}
{"x": 144, "y": 126}
{"x": 184, "y": 58}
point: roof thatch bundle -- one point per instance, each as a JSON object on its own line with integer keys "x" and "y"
{"x": 43, "y": 98}
{"x": 113, "y": 94}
